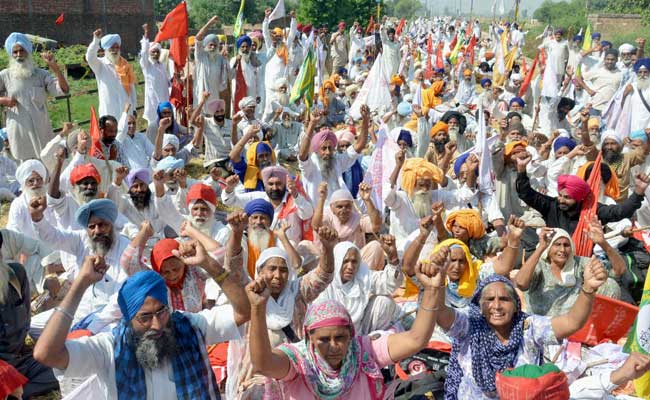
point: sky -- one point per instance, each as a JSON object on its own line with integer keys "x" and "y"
{"x": 483, "y": 6}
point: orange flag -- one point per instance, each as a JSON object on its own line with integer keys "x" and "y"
{"x": 95, "y": 136}
{"x": 371, "y": 25}
{"x": 440, "y": 61}
{"x": 428, "y": 71}
{"x": 178, "y": 52}
{"x": 584, "y": 245}
{"x": 524, "y": 68}
{"x": 59, "y": 20}
{"x": 453, "y": 42}
{"x": 175, "y": 24}
{"x": 470, "y": 49}
{"x": 400, "y": 26}
{"x": 529, "y": 77}
{"x": 240, "y": 88}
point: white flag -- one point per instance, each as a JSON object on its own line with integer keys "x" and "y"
{"x": 485, "y": 181}
{"x": 382, "y": 164}
{"x": 549, "y": 81}
{"x": 417, "y": 97}
{"x": 278, "y": 12}
{"x": 374, "y": 91}
{"x": 502, "y": 8}
{"x": 494, "y": 7}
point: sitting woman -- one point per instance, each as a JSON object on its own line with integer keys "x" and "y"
{"x": 333, "y": 361}
{"x": 552, "y": 276}
{"x": 495, "y": 334}
{"x": 365, "y": 293}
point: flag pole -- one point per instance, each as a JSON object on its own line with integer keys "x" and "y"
{"x": 187, "y": 86}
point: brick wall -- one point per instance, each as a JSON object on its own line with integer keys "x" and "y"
{"x": 82, "y": 17}
{"x": 615, "y": 22}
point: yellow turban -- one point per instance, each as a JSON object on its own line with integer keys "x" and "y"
{"x": 439, "y": 126}
{"x": 252, "y": 172}
{"x": 469, "y": 278}
{"x": 415, "y": 168}
{"x": 222, "y": 38}
{"x": 191, "y": 40}
{"x": 593, "y": 122}
{"x": 278, "y": 32}
{"x": 510, "y": 147}
{"x": 468, "y": 219}
{"x": 396, "y": 80}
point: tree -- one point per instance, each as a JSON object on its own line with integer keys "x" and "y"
{"x": 404, "y": 8}
{"x": 331, "y": 12}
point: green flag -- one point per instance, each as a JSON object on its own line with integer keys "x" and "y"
{"x": 304, "y": 85}
{"x": 639, "y": 339}
{"x": 239, "y": 22}
{"x": 586, "y": 44}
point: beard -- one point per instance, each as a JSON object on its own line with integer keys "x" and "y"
{"x": 101, "y": 244}
{"x": 212, "y": 54}
{"x": 642, "y": 83}
{"x": 246, "y": 57}
{"x": 172, "y": 185}
{"x": 4, "y": 282}
{"x": 113, "y": 57}
{"x": 276, "y": 195}
{"x": 141, "y": 200}
{"x": 326, "y": 168}
{"x": 282, "y": 98}
{"x": 422, "y": 203}
{"x": 440, "y": 146}
{"x": 83, "y": 196}
{"x": 263, "y": 164}
{"x": 151, "y": 351}
{"x": 32, "y": 193}
{"x": 22, "y": 69}
{"x": 259, "y": 237}
{"x": 611, "y": 156}
{"x": 202, "y": 224}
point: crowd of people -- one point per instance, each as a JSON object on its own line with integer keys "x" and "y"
{"x": 437, "y": 185}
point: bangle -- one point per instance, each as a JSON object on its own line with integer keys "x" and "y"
{"x": 582, "y": 289}
{"x": 513, "y": 247}
{"x": 64, "y": 312}
{"x": 421, "y": 307}
{"x": 222, "y": 277}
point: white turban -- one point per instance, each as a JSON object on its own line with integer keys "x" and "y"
{"x": 27, "y": 167}
{"x": 247, "y": 102}
{"x": 170, "y": 139}
{"x": 625, "y": 48}
{"x": 515, "y": 77}
{"x": 610, "y": 134}
{"x": 281, "y": 82}
{"x": 269, "y": 253}
{"x": 155, "y": 46}
{"x": 52, "y": 258}
{"x": 109, "y": 40}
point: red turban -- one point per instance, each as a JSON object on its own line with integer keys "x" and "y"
{"x": 201, "y": 191}
{"x": 577, "y": 188}
{"x": 162, "y": 251}
{"x": 81, "y": 172}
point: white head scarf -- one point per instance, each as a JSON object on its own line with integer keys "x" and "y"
{"x": 354, "y": 295}
{"x": 26, "y": 168}
{"x": 279, "y": 313}
{"x": 170, "y": 139}
{"x": 568, "y": 272}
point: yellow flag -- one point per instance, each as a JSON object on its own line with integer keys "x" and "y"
{"x": 586, "y": 43}
{"x": 638, "y": 340}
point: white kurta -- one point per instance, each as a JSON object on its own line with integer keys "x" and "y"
{"x": 640, "y": 115}
{"x": 20, "y": 220}
{"x": 250, "y": 77}
{"x": 210, "y": 74}
{"x": 138, "y": 149}
{"x": 112, "y": 96}
{"x": 28, "y": 123}
{"x": 275, "y": 66}
{"x": 390, "y": 55}
{"x": 217, "y": 139}
{"x": 156, "y": 80}
{"x": 312, "y": 177}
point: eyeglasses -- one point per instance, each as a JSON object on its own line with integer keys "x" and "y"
{"x": 148, "y": 317}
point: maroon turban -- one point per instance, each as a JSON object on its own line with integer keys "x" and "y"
{"x": 577, "y": 188}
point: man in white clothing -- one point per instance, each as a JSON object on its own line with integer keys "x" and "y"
{"x": 156, "y": 76}
{"x": 637, "y": 93}
{"x": 137, "y": 148}
{"x": 26, "y": 88}
{"x": 248, "y": 66}
{"x": 391, "y": 50}
{"x": 114, "y": 75}
{"x": 211, "y": 71}
{"x": 277, "y": 52}
{"x": 603, "y": 82}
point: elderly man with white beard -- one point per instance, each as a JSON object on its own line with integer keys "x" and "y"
{"x": 248, "y": 67}
{"x": 98, "y": 238}
{"x": 285, "y": 135}
{"x": 637, "y": 92}
{"x": 320, "y": 162}
{"x": 216, "y": 129}
{"x": 32, "y": 176}
{"x": 114, "y": 75}
{"x": 156, "y": 76}
{"x": 279, "y": 100}
{"x": 211, "y": 71}
{"x": 25, "y": 90}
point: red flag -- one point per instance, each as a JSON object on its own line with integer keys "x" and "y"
{"x": 175, "y": 24}
{"x": 470, "y": 49}
{"x": 453, "y": 42}
{"x": 529, "y": 77}
{"x": 601, "y": 327}
{"x": 400, "y": 26}
{"x": 95, "y": 136}
{"x": 59, "y": 20}
{"x": 240, "y": 87}
{"x": 428, "y": 71}
{"x": 524, "y": 67}
{"x": 371, "y": 25}
{"x": 178, "y": 52}
{"x": 440, "y": 61}
{"x": 584, "y": 245}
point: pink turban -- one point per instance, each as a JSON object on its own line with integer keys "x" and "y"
{"x": 212, "y": 106}
{"x": 577, "y": 188}
{"x": 274, "y": 171}
{"x": 345, "y": 135}
{"x": 321, "y": 137}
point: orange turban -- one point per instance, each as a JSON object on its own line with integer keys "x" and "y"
{"x": 611, "y": 188}
{"x": 396, "y": 80}
{"x": 510, "y": 147}
{"x": 419, "y": 168}
{"x": 593, "y": 122}
{"x": 439, "y": 126}
{"x": 328, "y": 84}
{"x": 81, "y": 172}
{"x": 278, "y": 32}
{"x": 191, "y": 40}
{"x": 468, "y": 219}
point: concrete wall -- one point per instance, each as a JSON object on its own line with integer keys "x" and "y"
{"x": 615, "y": 22}
{"x": 82, "y": 17}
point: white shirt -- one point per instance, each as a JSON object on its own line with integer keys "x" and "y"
{"x": 138, "y": 149}
{"x": 605, "y": 83}
{"x": 95, "y": 354}
{"x": 312, "y": 176}
{"x": 156, "y": 80}
{"x": 112, "y": 96}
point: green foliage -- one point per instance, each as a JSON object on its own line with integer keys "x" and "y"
{"x": 331, "y": 12}
{"x": 162, "y": 7}
{"x": 570, "y": 15}
{"x": 202, "y": 10}
{"x": 641, "y": 7}
{"x": 404, "y": 8}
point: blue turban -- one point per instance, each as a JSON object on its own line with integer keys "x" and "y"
{"x": 404, "y": 109}
{"x": 169, "y": 162}
{"x": 137, "y": 288}
{"x": 639, "y": 135}
{"x": 165, "y": 105}
{"x": 101, "y": 208}
{"x": 342, "y": 71}
{"x": 259, "y": 206}
{"x": 263, "y": 148}
{"x": 244, "y": 39}
{"x": 109, "y": 40}
{"x": 606, "y": 43}
{"x": 439, "y": 70}
{"x": 459, "y": 163}
{"x": 3, "y": 134}
{"x": 518, "y": 100}
{"x": 577, "y": 38}
{"x": 405, "y": 136}
{"x": 484, "y": 81}
{"x": 562, "y": 142}
{"x": 211, "y": 38}
{"x": 357, "y": 59}
{"x": 595, "y": 35}
{"x": 500, "y": 31}
{"x": 642, "y": 62}
{"x": 20, "y": 39}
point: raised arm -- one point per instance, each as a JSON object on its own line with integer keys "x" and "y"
{"x": 597, "y": 236}
{"x": 527, "y": 271}
{"x": 508, "y": 258}
{"x": 48, "y": 57}
{"x": 362, "y": 137}
{"x": 365, "y": 193}
{"x": 281, "y": 233}
{"x": 626, "y": 209}
{"x": 197, "y": 111}
{"x": 566, "y": 325}
{"x": 238, "y": 149}
{"x": 50, "y": 348}
{"x": 204, "y": 30}
{"x": 525, "y": 191}
{"x": 317, "y": 219}
{"x": 53, "y": 189}
{"x": 400, "y": 157}
{"x": 309, "y": 133}
{"x": 91, "y": 52}
{"x": 157, "y": 146}
{"x": 412, "y": 252}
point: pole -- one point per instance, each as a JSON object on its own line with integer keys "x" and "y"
{"x": 471, "y": 9}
